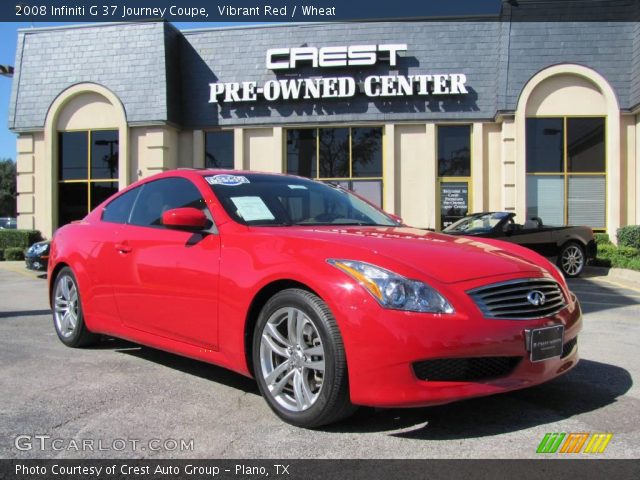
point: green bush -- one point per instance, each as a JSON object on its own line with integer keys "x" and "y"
{"x": 629, "y": 236}
{"x": 1, "y": 254}
{"x": 22, "y": 239}
{"x": 14, "y": 253}
{"x": 619, "y": 257}
{"x": 627, "y": 252}
{"x": 607, "y": 250}
{"x": 602, "y": 238}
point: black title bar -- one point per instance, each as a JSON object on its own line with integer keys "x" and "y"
{"x": 317, "y": 469}
{"x": 281, "y": 11}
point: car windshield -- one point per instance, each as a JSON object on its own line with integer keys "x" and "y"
{"x": 273, "y": 200}
{"x": 477, "y": 223}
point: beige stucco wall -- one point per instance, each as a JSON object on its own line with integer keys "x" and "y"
{"x": 478, "y": 201}
{"x": 493, "y": 166}
{"x": 637, "y": 176}
{"x": 185, "y": 149}
{"x": 566, "y": 95}
{"x": 415, "y": 174}
{"x": 31, "y": 179}
{"x": 261, "y": 149}
{"x": 512, "y": 172}
{"x": 85, "y": 110}
{"x": 628, "y": 169}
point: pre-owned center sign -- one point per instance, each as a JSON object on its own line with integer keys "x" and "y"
{"x": 279, "y": 59}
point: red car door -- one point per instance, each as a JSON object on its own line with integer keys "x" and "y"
{"x": 166, "y": 279}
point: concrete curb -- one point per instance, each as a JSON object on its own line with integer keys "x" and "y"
{"x": 626, "y": 277}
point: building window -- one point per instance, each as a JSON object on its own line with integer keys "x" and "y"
{"x": 566, "y": 165}
{"x": 87, "y": 173}
{"x": 348, "y": 156}
{"x": 454, "y": 151}
{"x": 454, "y": 172}
{"x": 218, "y": 149}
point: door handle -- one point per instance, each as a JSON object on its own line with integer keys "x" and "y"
{"x": 123, "y": 247}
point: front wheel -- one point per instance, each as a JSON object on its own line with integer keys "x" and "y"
{"x": 68, "y": 318}
{"x": 572, "y": 259}
{"x": 299, "y": 360}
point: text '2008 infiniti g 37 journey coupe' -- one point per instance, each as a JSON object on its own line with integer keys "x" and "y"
{"x": 327, "y": 301}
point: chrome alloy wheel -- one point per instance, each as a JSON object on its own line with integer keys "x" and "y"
{"x": 66, "y": 306}
{"x": 292, "y": 359}
{"x": 572, "y": 260}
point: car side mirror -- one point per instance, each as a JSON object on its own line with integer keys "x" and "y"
{"x": 188, "y": 218}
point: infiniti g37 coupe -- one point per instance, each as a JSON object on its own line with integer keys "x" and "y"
{"x": 325, "y": 300}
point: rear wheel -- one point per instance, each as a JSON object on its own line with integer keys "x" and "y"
{"x": 68, "y": 318}
{"x": 299, "y": 360}
{"x": 572, "y": 259}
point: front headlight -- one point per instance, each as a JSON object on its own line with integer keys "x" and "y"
{"x": 39, "y": 248}
{"x": 392, "y": 290}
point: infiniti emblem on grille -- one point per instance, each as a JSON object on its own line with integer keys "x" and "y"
{"x": 536, "y": 298}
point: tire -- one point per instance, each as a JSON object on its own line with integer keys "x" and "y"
{"x": 299, "y": 360}
{"x": 68, "y": 319}
{"x": 572, "y": 259}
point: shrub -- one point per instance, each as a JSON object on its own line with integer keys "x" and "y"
{"x": 14, "y": 253}
{"x": 1, "y": 254}
{"x": 22, "y": 239}
{"x": 629, "y": 236}
{"x": 607, "y": 250}
{"x": 602, "y": 238}
{"x": 619, "y": 257}
{"x": 627, "y": 252}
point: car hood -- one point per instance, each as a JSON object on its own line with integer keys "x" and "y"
{"x": 445, "y": 258}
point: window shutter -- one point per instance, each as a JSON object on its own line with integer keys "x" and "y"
{"x": 545, "y": 199}
{"x": 587, "y": 200}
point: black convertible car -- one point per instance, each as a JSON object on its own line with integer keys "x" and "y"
{"x": 572, "y": 246}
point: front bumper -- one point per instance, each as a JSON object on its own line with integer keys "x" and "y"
{"x": 384, "y": 357}
{"x": 36, "y": 262}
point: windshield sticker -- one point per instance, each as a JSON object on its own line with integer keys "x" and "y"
{"x": 228, "y": 180}
{"x": 297, "y": 187}
{"x": 252, "y": 208}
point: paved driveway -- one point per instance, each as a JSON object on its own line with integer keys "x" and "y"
{"x": 155, "y": 404}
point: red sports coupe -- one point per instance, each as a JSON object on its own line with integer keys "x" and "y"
{"x": 327, "y": 301}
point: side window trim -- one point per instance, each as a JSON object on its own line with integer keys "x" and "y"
{"x": 135, "y": 202}
{"x": 120, "y": 196}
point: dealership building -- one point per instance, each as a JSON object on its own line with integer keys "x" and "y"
{"x": 428, "y": 119}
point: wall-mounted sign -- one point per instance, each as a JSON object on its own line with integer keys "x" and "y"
{"x": 454, "y": 202}
{"x": 353, "y": 55}
{"x": 337, "y": 87}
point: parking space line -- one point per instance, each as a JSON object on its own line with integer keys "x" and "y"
{"x": 24, "y": 271}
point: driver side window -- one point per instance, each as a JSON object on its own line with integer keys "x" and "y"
{"x": 161, "y": 195}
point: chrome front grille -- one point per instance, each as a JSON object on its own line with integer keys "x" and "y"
{"x": 516, "y": 299}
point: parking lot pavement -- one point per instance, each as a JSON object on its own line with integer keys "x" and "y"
{"x": 119, "y": 392}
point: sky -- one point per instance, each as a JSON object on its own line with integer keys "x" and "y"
{"x": 8, "y": 38}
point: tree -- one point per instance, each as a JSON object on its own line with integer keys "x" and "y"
{"x": 7, "y": 188}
